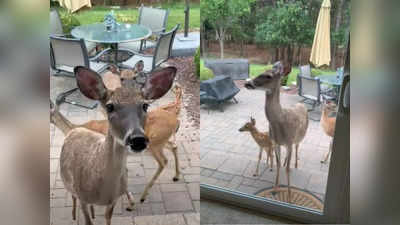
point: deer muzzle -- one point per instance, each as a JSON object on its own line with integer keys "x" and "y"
{"x": 137, "y": 142}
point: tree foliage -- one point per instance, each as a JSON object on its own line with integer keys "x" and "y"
{"x": 287, "y": 25}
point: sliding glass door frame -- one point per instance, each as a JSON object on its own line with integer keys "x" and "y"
{"x": 337, "y": 198}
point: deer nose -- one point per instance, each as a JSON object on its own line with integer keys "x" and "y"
{"x": 137, "y": 142}
{"x": 249, "y": 84}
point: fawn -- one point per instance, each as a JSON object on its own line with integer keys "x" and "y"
{"x": 263, "y": 141}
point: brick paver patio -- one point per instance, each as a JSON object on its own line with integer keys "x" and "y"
{"x": 172, "y": 202}
{"x": 229, "y": 157}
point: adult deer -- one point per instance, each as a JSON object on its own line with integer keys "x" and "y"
{"x": 328, "y": 124}
{"x": 287, "y": 126}
{"x": 93, "y": 165}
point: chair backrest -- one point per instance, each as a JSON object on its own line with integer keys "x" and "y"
{"x": 56, "y": 28}
{"x": 153, "y": 18}
{"x": 305, "y": 70}
{"x": 68, "y": 52}
{"x": 164, "y": 47}
{"x": 309, "y": 87}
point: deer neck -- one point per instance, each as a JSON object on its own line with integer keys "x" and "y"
{"x": 254, "y": 132}
{"x": 62, "y": 123}
{"x": 273, "y": 108}
{"x": 116, "y": 153}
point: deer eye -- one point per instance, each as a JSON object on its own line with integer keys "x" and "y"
{"x": 145, "y": 107}
{"x": 109, "y": 107}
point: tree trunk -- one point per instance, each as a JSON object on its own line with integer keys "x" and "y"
{"x": 202, "y": 41}
{"x": 337, "y": 27}
{"x": 221, "y": 41}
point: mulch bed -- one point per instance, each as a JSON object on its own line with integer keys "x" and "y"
{"x": 191, "y": 87}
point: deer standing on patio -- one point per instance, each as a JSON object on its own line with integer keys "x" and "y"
{"x": 93, "y": 166}
{"x": 328, "y": 124}
{"x": 263, "y": 141}
{"x": 287, "y": 126}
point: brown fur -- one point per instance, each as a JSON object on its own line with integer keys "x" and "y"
{"x": 328, "y": 124}
{"x": 160, "y": 123}
{"x": 287, "y": 126}
{"x": 263, "y": 141}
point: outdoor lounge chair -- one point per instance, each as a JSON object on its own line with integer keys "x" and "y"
{"x": 237, "y": 69}
{"x": 162, "y": 52}
{"x": 56, "y": 29}
{"x": 65, "y": 54}
{"x": 153, "y": 18}
{"x": 217, "y": 90}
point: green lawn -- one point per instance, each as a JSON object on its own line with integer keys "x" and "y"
{"x": 257, "y": 69}
{"x": 130, "y": 15}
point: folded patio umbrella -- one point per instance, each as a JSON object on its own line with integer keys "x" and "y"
{"x": 321, "y": 48}
{"x": 74, "y": 5}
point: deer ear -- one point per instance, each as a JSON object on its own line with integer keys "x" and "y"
{"x": 139, "y": 66}
{"x": 158, "y": 83}
{"x": 90, "y": 83}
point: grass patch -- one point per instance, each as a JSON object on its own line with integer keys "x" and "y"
{"x": 130, "y": 15}
{"x": 257, "y": 69}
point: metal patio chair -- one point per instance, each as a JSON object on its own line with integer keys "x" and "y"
{"x": 56, "y": 29}
{"x": 162, "y": 52}
{"x": 153, "y": 18}
{"x": 65, "y": 54}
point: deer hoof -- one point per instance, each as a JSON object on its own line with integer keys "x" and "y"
{"x": 142, "y": 200}
{"x": 254, "y": 175}
{"x": 270, "y": 169}
{"x": 175, "y": 179}
{"x": 130, "y": 208}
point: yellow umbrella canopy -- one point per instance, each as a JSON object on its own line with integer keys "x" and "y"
{"x": 74, "y": 5}
{"x": 321, "y": 48}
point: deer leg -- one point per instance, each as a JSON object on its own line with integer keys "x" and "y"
{"x": 175, "y": 153}
{"x": 73, "y": 207}
{"x": 130, "y": 200}
{"x": 327, "y": 154}
{"x": 109, "y": 212}
{"x": 92, "y": 211}
{"x": 278, "y": 164}
{"x": 297, "y": 156}
{"x": 289, "y": 157}
{"x": 271, "y": 158}
{"x": 161, "y": 166}
{"x": 258, "y": 163}
{"x": 86, "y": 215}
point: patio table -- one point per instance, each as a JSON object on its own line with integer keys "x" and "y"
{"x": 332, "y": 79}
{"x": 124, "y": 32}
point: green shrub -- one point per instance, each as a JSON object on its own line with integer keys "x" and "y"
{"x": 69, "y": 21}
{"x": 197, "y": 62}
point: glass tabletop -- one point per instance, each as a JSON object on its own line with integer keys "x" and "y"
{"x": 124, "y": 33}
{"x": 332, "y": 79}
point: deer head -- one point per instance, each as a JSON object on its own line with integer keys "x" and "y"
{"x": 249, "y": 125}
{"x": 270, "y": 79}
{"x": 126, "y": 107}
